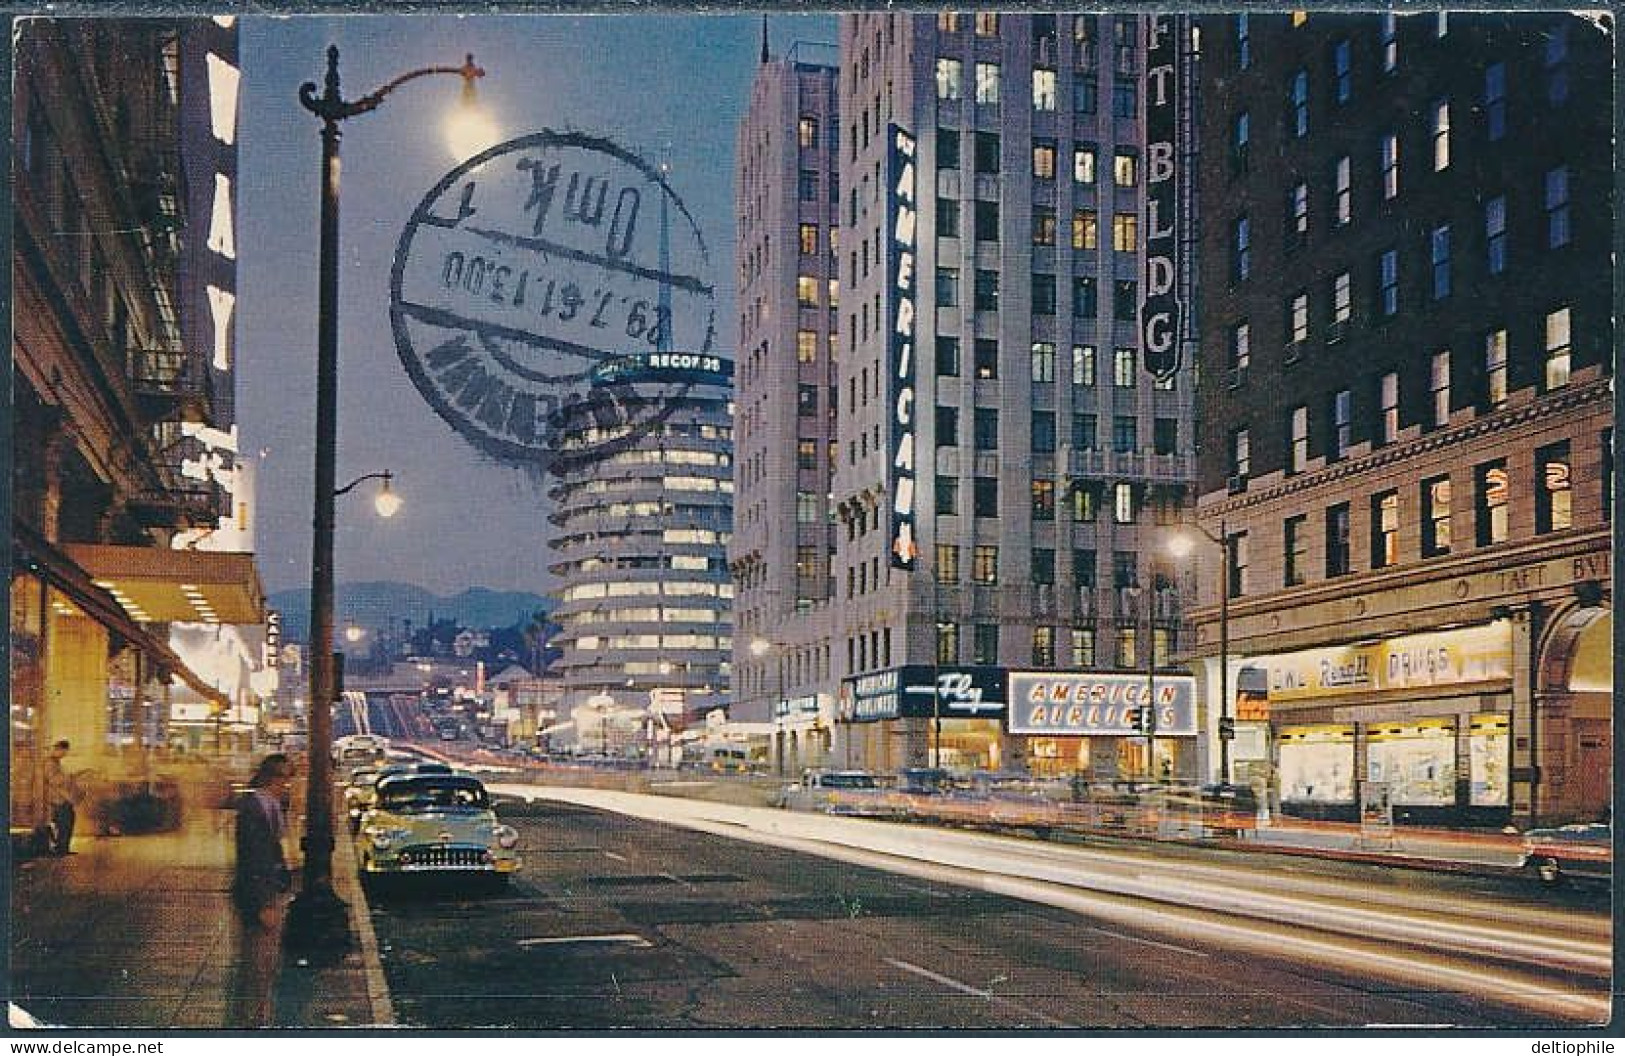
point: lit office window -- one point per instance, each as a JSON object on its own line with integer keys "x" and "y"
{"x": 1435, "y": 516}
{"x": 1495, "y": 368}
{"x": 1385, "y": 529}
{"x": 1439, "y": 120}
{"x": 1491, "y": 492}
{"x": 1558, "y": 349}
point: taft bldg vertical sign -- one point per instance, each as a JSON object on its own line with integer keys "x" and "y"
{"x": 1159, "y": 312}
{"x": 902, "y": 214}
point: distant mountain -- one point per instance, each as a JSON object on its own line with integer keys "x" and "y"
{"x": 375, "y": 604}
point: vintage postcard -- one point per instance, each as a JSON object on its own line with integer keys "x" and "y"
{"x": 890, "y": 521}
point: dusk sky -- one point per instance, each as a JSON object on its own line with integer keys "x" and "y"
{"x": 671, "y": 87}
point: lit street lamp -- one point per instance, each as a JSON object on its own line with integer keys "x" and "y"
{"x": 386, "y": 502}
{"x": 1181, "y": 546}
{"x": 318, "y": 920}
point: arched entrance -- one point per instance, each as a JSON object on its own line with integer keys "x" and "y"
{"x": 1574, "y": 693}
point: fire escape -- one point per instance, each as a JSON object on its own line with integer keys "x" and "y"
{"x": 171, "y": 382}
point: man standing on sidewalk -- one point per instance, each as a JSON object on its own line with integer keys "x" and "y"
{"x": 59, "y": 800}
{"x": 259, "y": 887}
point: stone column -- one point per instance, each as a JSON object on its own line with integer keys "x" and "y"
{"x": 1526, "y": 746}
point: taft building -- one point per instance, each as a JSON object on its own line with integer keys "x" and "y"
{"x": 1006, "y": 471}
{"x": 787, "y": 188}
{"x": 1406, "y": 419}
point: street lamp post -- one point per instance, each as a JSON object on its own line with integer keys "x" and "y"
{"x": 760, "y": 648}
{"x": 1150, "y": 711}
{"x": 318, "y": 919}
{"x": 1226, "y": 731}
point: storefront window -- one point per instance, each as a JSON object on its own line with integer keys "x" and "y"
{"x": 1317, "y": 764}
{"x": 27, "y": 686}
{"x": 1417, "y": 760}
{"x": 1487, "y": 759}
{"x": 1057, "y": 756}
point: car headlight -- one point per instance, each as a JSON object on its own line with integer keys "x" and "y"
{"x": 507, "y": 836}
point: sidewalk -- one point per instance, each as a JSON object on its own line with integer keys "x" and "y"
{"x": 138, "y": 932}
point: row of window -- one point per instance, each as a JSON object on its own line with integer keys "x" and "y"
{"x": 1434, "y": 511}
{"x": 1387, "y": 392}
{"x": 1081, "y": 653}
{"x": 987, "y": 90}
{"x": 1083, "y": 500}
{"x": 1124, "y": 568}
{"x": 1556, "y": 226}
{"x": 985, "y": 362}
{"x": 1085, "y": 294}
{"x": 1340, "y": 68}
{"x": 1125, "y": 431}
{"x": 1046, "y": 157}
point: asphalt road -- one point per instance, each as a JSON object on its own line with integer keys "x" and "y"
{"x": 620, "y": 922}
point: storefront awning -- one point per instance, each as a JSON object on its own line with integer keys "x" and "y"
{"x": 175, "y": 586}
{"x": 32, "y": 553}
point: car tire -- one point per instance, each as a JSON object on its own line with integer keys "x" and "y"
{"x": 1546, "y": 870}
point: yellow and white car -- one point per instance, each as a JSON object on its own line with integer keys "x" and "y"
{"x": 434, "y": 824}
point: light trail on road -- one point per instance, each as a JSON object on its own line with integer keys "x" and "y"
{"x": 1545, "y": 960}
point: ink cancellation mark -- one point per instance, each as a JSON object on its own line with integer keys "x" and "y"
{"x": 530, "y": 266}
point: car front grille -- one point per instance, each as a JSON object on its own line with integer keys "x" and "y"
{"x": 435, "y": 857}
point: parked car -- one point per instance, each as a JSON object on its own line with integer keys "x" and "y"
{"x": 1584, "y": 850}
{"x": 435, "y": 823}
{"x": 359, "y": 794}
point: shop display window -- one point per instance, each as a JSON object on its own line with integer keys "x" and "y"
{"x": 1417, "y": 760}
{"x": 1488, "y": 760}
{"x": 1317, "y": 764}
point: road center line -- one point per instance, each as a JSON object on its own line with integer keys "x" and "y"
{"x": 966, "y": 988}
{"x": 1151, "y": 942}
{"x": 622, "y": 938}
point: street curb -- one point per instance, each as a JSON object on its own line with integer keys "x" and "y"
{"x": 345, "y": 878}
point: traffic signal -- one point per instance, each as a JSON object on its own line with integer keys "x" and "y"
{"x": 1143, "y": 720}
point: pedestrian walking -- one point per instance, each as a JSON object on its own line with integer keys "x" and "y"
{"x": 259, "y": 887}
{"x": 59, "y": 800}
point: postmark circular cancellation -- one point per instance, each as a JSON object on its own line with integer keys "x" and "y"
{"x": 526, "y": 274}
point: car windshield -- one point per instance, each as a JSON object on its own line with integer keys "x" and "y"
{"x": 407, "y": 796}
{"x": 849, "y": 781}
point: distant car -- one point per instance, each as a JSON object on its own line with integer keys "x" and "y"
{"x": 362, "y": 792}
{"x": 359, "y": 793}
{"x": 435, "y": 823}
{"x": 1584, "y": 850}
{"x": 851, "y": 792}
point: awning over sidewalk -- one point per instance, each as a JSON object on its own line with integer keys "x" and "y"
{"x": 175, "y": 586}
{"x": 31, "y": 552}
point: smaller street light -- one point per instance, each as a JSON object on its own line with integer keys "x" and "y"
{"x": 386, "y": 502}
